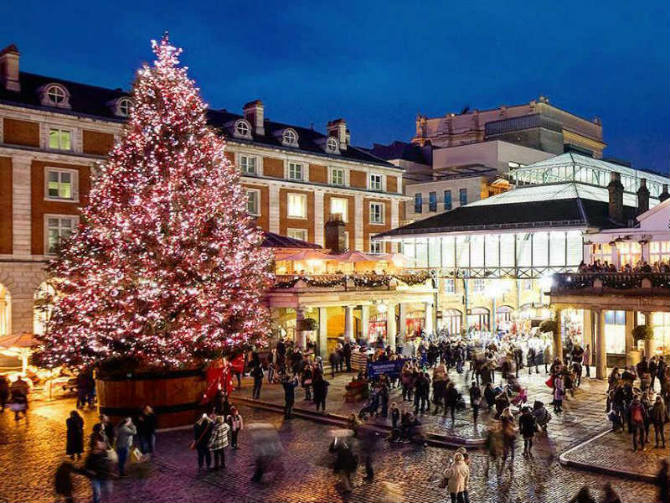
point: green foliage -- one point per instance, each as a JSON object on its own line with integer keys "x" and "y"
{"x": 549, "y": 326}
{"x": 642, "y": 333}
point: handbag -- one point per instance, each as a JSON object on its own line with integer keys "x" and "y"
{"x": 136, "y": 455}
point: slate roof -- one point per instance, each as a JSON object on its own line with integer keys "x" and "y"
{"x": 96, "y": 102}
{"x": 556, "y": 205}
{"x": 402, "y": 150}
{"x": 272, "y": 240}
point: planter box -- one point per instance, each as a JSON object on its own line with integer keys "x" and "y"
{"x": 175, "y": 396}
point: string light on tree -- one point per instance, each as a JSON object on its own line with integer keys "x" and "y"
{"x": 166, "y": 266}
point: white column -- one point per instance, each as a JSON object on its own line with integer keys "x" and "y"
{"x": 600, "y": 351}
{"x": 395, "y": 220}
{"x": 323, "y": 333}
{"x": 365, "y": 321}
{"x": 391, "y": 328}
{"x": 616, "y": 257}
{"x": 21, "y": 216}
{"x": 646, "y": 252}
{"x": 429, "y": 317}
{"x": 587, "y": 253}
{"x": 358, "y": 223}
{"x": 300, "y": 339}
{"x": 318, "y": 218}
{"x": 274, "y": 208}
{"x": 630, "y": 342}
{"x": 402, "y": 311}
{"x": 348, "y": 323}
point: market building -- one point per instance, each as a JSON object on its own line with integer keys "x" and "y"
{"x": 54, "y": 132}
{"x": 495, "y": 258}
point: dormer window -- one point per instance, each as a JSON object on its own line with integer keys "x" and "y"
{"x": 123, "y": 107}
{"x": 242, "y": 129}
{"x": 289, "y": 138}
{"x": 55, "y": 95}
{"x": 332, "y": 146}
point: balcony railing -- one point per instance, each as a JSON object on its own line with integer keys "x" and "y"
{"x": 348, "y": 282}
{"x": 603, "y": 281}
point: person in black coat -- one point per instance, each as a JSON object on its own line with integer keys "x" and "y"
{"x": 289, "y": 385}
{"x": 527, "y": 427}
{"x": 202, "y": 431}
{"x": 320, "y": 386}
{"x": 75, "y": 435}
{"x": 146, "y": 430}
{"x": 475, "y": 399}
{"x": 347, "y": 355}
{"x": 451, "y": 401}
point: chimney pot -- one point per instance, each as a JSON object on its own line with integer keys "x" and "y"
{"x": 338, "y": 129}
{"x": 9, "y": 68}
{"x": 642, "y": 197}
{"x": 254, "y": 112}
{"x": 664, "y": 195}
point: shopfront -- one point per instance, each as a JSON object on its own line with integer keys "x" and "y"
{"x": 478, "y": 318}
{"x": 451, "y": 321}
{"x": 660, "y": 325}
{"x": 615, "y": 332}
{"x": 572, "y": 326}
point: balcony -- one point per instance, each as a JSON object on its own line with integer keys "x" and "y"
{"x": 612, "y": 282}
{"x": 350, "y": 282}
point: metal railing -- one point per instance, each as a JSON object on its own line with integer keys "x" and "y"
{"x": 565, "y": 282}
{"x": 346, "y": 282}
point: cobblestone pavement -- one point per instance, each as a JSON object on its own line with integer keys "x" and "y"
{"x": 30, "y": 452}
{"x": 583, "y": 416}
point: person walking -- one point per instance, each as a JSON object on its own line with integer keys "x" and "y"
{"x": 451, "y": 401}
{"x": 218, "y": 441}
{"x": 586, "y": 360}
{"x": 527, "y": 427}
{"x": 346, "y": 464}
{"x": 146, "y": 430}
{"x": 509, "y": 436}
{"x": 257, "y": 374}
{"x": 475, "y": 399}
{"x": 457, "y": 475}
{"x": 334, "y": 360}
{"x": 546, "y": 357}
{"x": 19, "y": 401}
{"x": 289, "y": 385}
{"x": 124, "y": 440}
{"x": 320, "y": 386}
{"x": 658, "y": 415}
{"x": 559, "y": 393}
{"x": 75, "y": 435}
{"x": 236, "y": 426}
{"x": 4, "y": 391}
{"x": 97, "y": 468}
{"x": 637, "y": 415}
{"x": 63, "y": 481}
{"x": 202, "y": 431}
{"x": 347, "y": 354}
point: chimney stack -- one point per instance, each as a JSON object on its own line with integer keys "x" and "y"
{"x": 254, "y": 113}
{"x": 642, "y": 197}
{"x": 9, "y": 68}
{"x": 335, "y": 237}
{"x": 664, "y": 195}
{"x": 615, "y": 189}
{"x": 338, "y": 129}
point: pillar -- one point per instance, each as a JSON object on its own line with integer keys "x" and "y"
{"x": 430, "y": 315}
{"x": 365, "y": 322}
{"x": 587, "y": 323}
{"x": 558, "y": 341}
{"x": 630, "y": 342}
{"x": 402, "y": 329}
{"x": 273, "y": 196}
{"x": 391, "y": 328}
{"x": 493, "y": 322}
{"x": 648, "y": 344}
{"x": 300, "y": 338}
{"x": 323, "y": 333}
{"x": 348, "y": 323}
{"x": 599, "y": 351}
{"x": 21, "y": 216}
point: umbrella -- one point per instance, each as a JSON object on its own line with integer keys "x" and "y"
{"x": 309, "y": 255}
{"x": 19, "y": 344}
{"x": 355, "y": 257}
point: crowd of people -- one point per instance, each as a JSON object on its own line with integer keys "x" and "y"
{"x": 15, "y": 396}
{"x": 642, "y": 266}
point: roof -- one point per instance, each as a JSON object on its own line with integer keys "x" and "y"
{"x": 97, "y": 102}
{"x": 272, "y": 240}
{"x": 567, "y": 204}
{"x": 403, "y": 150}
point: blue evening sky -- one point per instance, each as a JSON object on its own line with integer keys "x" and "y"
{"x": 378, "y": 63}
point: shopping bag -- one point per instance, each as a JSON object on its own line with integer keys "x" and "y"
{"x": 550, "y": 382}
{"x": 136, "y": 455}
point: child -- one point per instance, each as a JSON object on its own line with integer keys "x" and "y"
{"x": 63, "y": 481}
{"x": 395, "y": 415}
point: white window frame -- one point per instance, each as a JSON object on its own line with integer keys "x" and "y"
{"x": 256, "y": 159}
{"x": 382, "y": 213}
{"x": 74, "y": 219}
{"x": 382, "y": 182}
{"x": 479, "y": 286}
{"x": 258, "y": 202}
{"x": 376, "y": 247}
{"x": 121, "y": 104}
{"x": 289, "y": 142}
{"x": 242, "y": 123}
{"x": 332, "y": 145}
{"x": 331, "y": 176}
{"x": 46, "y": 100}
{"x": 304, "y": 233}
{"x": 74, "y": 189}
{"x": 303, "y": 171}
{"x": 288, "y": 206}
{"x": 449, "y": 285}
{"x": 345, "y": 215}
{"x": 60, "y": 129}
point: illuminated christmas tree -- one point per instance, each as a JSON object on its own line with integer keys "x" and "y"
{"x": 166, "y": 267}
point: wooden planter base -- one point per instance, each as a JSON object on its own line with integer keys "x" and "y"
{"x": 174, "y": 396}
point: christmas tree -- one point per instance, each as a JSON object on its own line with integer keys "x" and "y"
{"x": 166, "y": 267}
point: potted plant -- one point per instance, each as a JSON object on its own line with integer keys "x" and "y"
{"x": 549, "y": 326}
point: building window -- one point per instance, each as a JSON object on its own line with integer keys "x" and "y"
{"x": 295, "y": 171}
{"x": 253, "y": 202}
{"x": 630, "y": 252}
{"x": 527, "y": 284}
{"x": 478, "y": 286}
{"x": 376, "y": 182}
{"x": 300, "y": 234}
{"x": 376, "y": 247}
{"x": 58, "y": 228}
{"x": 54, "y": 95}
{"x": 447, "y": 200}
{"x": 341, "y": 206}
{"x": 659, "y": 251}
{"x": 337, "y": 176}
{"x": 248, "y": 164}
{"x": 297, "y": 205}
{"x": 61, "y": 184}
{"x": 331, "y": 145}
{"x": 432, "y": 201}
{"x": 60, "y": 139}
{"x": 123, "y": 107}
{"x": 242, "y": 129}
{"x": 418, "y": 202}
{"x": 376, "y": 213}
{"x": 463, "y": 196}
{"x": 289, "y": 138}
{"x": 449, "y": 286}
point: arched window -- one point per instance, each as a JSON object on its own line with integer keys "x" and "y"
{"x": 42, "y": 307}
{"x": 331, "y": 145}
{"x": 290, "y": 138}
{"x": 123, "y": 107}
{"x": 242, "y": 129}
{"x": 54, "y": 95}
